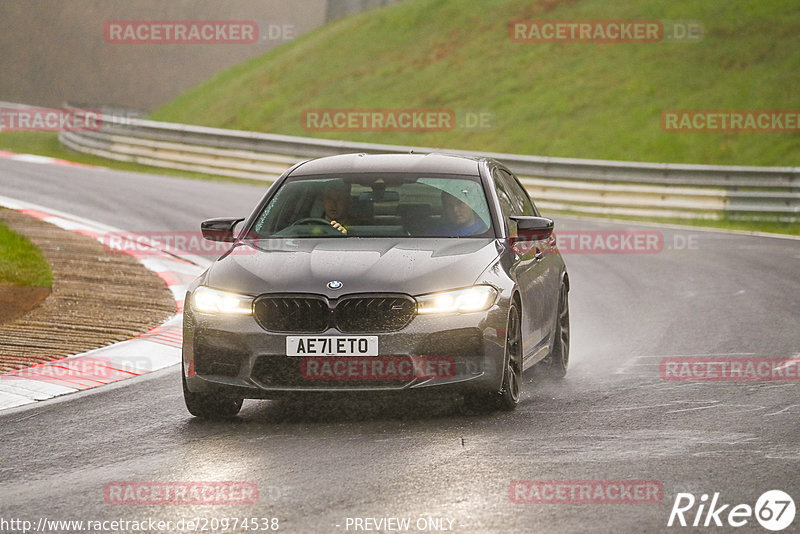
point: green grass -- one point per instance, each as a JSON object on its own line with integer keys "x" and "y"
{"x": 581, "y": 100}
{"x": 21, "y": 262}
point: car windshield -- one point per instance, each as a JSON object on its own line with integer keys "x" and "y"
{"x": 399, "y": 205}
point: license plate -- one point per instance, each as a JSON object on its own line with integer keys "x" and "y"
{"x": 331, "y": 345}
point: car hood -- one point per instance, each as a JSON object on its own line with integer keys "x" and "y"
{"x": 401, "y": 265}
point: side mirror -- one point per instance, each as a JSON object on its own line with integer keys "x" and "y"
{"x": 219, "y": 229}
{"x": 533, "y": 228}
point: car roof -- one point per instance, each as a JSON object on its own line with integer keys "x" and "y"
{"x": 384, "y": 163}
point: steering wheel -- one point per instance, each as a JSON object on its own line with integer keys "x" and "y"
{"x": 312, "y": 220}
{"x": 315, "y": 221}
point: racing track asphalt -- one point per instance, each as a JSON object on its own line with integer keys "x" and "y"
{"x": 613, "y": 418}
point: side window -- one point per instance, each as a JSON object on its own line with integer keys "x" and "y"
{"x": 519, "y": 197}
{"x": 506, "y": 202}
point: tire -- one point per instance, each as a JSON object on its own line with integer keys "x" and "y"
{"x": 507, "y": 398}
{"x": 210, "y": 405}
{"x": 556, "y": 363}
{"x": 510, "y": 392}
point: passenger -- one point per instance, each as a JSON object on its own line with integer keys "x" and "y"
{"x": 458, "y": 219}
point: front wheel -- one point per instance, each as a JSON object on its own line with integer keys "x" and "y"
{"x": 508, "y": 397}
{"x": 210, "y": 405}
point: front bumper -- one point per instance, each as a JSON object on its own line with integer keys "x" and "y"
{"x": 233, "y": 355}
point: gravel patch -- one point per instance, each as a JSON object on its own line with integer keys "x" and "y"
{"x": 98, "y": 298}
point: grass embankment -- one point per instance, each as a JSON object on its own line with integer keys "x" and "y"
{"x": 582, "y": 100}
{"x": 21, "y": 262}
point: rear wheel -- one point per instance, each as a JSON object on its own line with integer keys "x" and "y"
{"x": 210, "y": 405}
{"x": 555, "y": 364}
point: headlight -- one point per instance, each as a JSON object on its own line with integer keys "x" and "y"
{"x": 473, "y": 299}
{"x": 207, "y": 300}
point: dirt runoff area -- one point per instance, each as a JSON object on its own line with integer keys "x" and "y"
{"x": 98, "y": 298}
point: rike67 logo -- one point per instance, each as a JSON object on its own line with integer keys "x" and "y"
{"x": 774, "y": 510}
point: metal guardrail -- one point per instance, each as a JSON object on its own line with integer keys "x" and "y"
{"x": 580, "y": 185}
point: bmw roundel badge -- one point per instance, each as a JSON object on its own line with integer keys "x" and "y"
{"x": 335, "y": 284}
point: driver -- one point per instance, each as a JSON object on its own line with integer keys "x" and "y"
{"x": 336, "y": 201}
